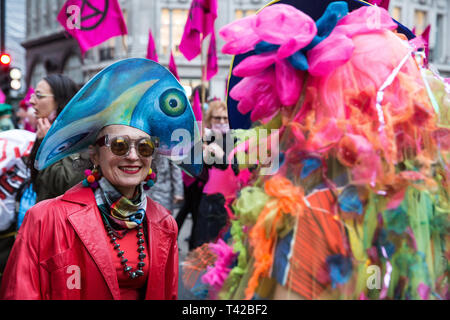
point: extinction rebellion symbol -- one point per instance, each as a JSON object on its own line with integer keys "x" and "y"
{"x": 87, "y": 17}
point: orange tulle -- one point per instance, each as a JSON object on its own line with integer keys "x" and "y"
{"x": 287, "y": 199}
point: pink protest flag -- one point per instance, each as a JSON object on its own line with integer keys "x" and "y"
{"x": 211, "y": 65}
{"x": 151, "y": 48}
{"x": 197, "y": 107}
{"x": 426, "y": 39}
{"x": 381, "y": 3}
{"x": 92, "y": 22}
{"x": 2, "y": 97}
{"x": 173, "y": 66}
{"x": 199, "y": 24}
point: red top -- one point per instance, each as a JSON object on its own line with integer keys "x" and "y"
{"x": 130, "y": 289}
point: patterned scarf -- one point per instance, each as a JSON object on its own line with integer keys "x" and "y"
{"x": 118, "y": 211}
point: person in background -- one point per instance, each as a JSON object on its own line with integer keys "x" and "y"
{"x": 16, "y": 144}
{"x": 6, "y": 122}
{"x": 26, "y": 117}
{"x": 193, "y": 186}
{"x": 51, "y": 95}
{"x": 168, "y": 188}
{"x": 222, "y": 182}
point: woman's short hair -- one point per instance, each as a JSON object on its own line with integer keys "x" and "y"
{"x": 63, "y": 89}
{"x": 213, "y": 106}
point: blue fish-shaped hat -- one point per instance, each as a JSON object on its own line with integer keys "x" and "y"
{"x": 135, "y": 92}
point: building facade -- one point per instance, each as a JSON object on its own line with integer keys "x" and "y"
{"x": 420, "y": 13}
{"x": 49, "y": 50}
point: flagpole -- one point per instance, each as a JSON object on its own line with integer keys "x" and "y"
{"x": 203, "y": 74}
{"x": 124, "y": 42}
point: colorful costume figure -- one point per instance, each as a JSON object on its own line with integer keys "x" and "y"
{"x": 359, "y": 206}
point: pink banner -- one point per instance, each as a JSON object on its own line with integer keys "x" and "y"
{"x": 92, "y": 22}
{"x": 197, "y": 107}
{"x": 2, "y": 97}
{"x": 381, "y": 3}
{"x": 173, "y": 66}
{"x": 199, "y": 24}
{"x": 426, "y": 39}
{"x": 151, "y": 48}
{"x": 212, "y": 66}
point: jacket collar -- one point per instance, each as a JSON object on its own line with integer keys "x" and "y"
{"x": 85, "y": 196}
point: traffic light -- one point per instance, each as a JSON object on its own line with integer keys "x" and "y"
{"x": 10, "y": 77}
{"x": 5, "y": 79}
{"x": 15, "y": 75}
{"x": 5, "y": 59}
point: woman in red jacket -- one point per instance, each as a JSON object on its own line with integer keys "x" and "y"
{"x": 104, "y": 239}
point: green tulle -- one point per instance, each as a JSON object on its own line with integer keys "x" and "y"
{"x": 417, "y": 230}
{"x": 250, "y": 203}
{"x": 370, "y": 221}
{"x": 231, "y": 284}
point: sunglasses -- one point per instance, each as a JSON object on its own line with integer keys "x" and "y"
{"x": 121, "y": 145}
{"x": 39, "y": 95}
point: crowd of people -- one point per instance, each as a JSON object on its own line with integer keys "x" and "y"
{"x": 199, "y": 196}
{"x": 348, "y": 128}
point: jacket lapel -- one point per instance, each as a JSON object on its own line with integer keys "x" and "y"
{"x": 159, "y": 246}
{"x": 88, "y": 226}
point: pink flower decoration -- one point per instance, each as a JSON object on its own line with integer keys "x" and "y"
{"x": 258, "y": 95}
{"x": 366, "y": 19}
{"x": 322, "y": 60}
{"x": 338, "y": 47}
{"x": 288, "y": 79}
{"x": 265, "y": 88}
{"x": 239, "y": 36}
{"x": 286, "y": 26}
{"x": 325, "y": 136}
{"x": 289, "y": 82}
{"x": 215, "y": 276}
{"x": 254, "y": 65}
{"x": 357, "y": 153}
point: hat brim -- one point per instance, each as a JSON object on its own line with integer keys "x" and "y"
{"x": 314, "y": 9}
{"x": 136, "y": 92}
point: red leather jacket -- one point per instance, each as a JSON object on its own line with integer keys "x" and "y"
{"x": 60, "y": 240}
